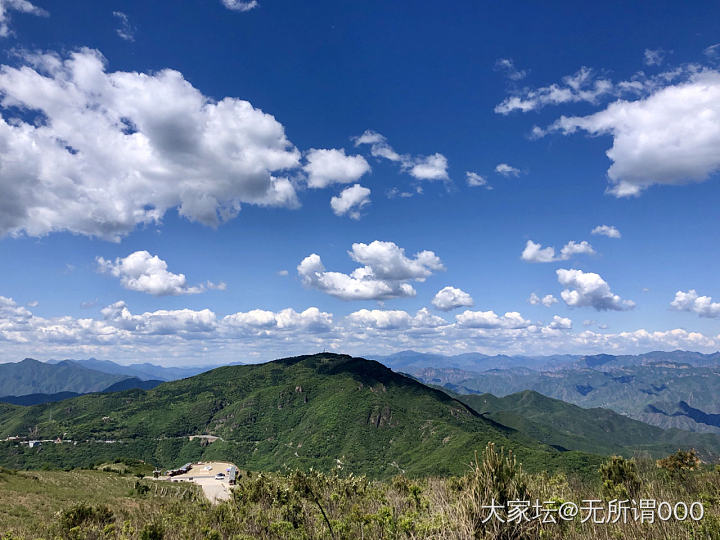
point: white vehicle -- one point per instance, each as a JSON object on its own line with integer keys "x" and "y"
{"x": 220, "y": 476}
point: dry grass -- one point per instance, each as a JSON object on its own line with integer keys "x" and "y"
{"x": 296, "y": 505}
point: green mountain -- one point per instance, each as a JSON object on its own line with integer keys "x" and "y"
{"x": 648, "y": 388}
{"x": 597, "y": 430}
{"x": 34, "y": 377}
{"x": 326, "y": 411}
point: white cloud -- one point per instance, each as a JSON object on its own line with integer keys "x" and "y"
{"x": 489, "y": 319}
{"x": 507, "y": 170}
{"x": 140, "y": 271}
{"x": 385, "y": 273}
{"x": 547, "y": 300}
{"x": 507, "y": 66}
{"x": 394, "y": 319}
{"x": 386, "y": 260}
{"x": 185, "y": 336}
{"x": 587, "y": 289}
{"x": 326, "y": 167}
{"x": 473, "y": 179}
{"x": 350, "y": 201}
{"x": 22, "y": 6}
{"x": 560, "y": 323}
{"x": 670, "y": 137}
{"x": 118, "y": 149}
{"x": 581, "y": 86}
{"x": 654, "y": 57}
{"x": 287, "y": 319}
{"x": 125, "y": 30}
{"x": 576, "y": 248}
{"x": 240, "y": 5}
{"x": 535, "y": 253}
{"x": 449, "y": 298}
{"x": 690, "y": 301}
{"x": 606, "y": 230}
{"x": 283, "y": 273}
{"x": 359, "y": 285}
{"x": 431, "y": 167}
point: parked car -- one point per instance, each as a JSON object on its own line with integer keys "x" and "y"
{"x": 220, "y": 476}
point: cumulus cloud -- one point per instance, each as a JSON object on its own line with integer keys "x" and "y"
{"x": 473, "y": 179}
{"x": 670, "y": 137}
{"x": 240, "y": 5}
{"x": 21, "y": 6}
{"x": 587, "y": 289}
{"x": 547, "y": 300}
{"x": 449, "y": 298}
{"x": 507, "y": 66}
{"x": 189, "y": 336}
{"x": 140, "y": 271}
{"x": 535, "y": 253}
{"x": 114, "y": 150}
{"x": 395, "y": 319}
{"x": 576, "y": 248}
{"x": 386, "y": 260}
{"x": 431, "y": 167}
{"x": 385, "y": 273}
{"x": 560, "y": 323}
{"x": 489, "y": 319}
{"x": 258, "y": 320}
{"x": 507, "y": 170}
{"x": 690, "y": 301}
{"x": 125, "y": 30}
{"x": 606, "y": 230}
{"x": 350, "y": 201}
{"x": 325, "y": 167}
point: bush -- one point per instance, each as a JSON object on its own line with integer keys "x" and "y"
{"x": 620, "y": 478}
{"x": 83, "y": 514}
{"x": 152, "y": 531}
{"x": 496, "y": 480}
{"x": 680, "y": 462}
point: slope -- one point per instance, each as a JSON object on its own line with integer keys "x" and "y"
{"x": 598, "y": 430}
{"x": 326, "y": 411}
{"x": 33, "y": 377}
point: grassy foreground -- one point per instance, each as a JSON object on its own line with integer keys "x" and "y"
{"x": 91, "y": 504}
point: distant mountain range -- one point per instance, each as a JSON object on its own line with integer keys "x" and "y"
{"x": 409, "y": 361}
{"x": 568, "y": 427}
{"x": 326, "y": 411}
{"x": 31, "y": 382}
{"x": 34, "y": 377}
{"x": 141, "y": 371}
{"x": 677, "y": 389}
{"x": 330, "y": 412}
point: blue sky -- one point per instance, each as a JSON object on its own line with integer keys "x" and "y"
{"x": 198, "y": 184}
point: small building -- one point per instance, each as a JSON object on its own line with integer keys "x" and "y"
{"x": 232, "y": 475}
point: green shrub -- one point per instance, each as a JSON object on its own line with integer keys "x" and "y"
{"x": 83, "y": 514}
{"x": 497, "y": 479}
{"x": 620, "y": 478}
{"x": 680, "y": 462}
{"x": 152, "y": 531}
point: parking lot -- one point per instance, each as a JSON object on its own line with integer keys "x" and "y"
{"x": 205, "y": 474}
